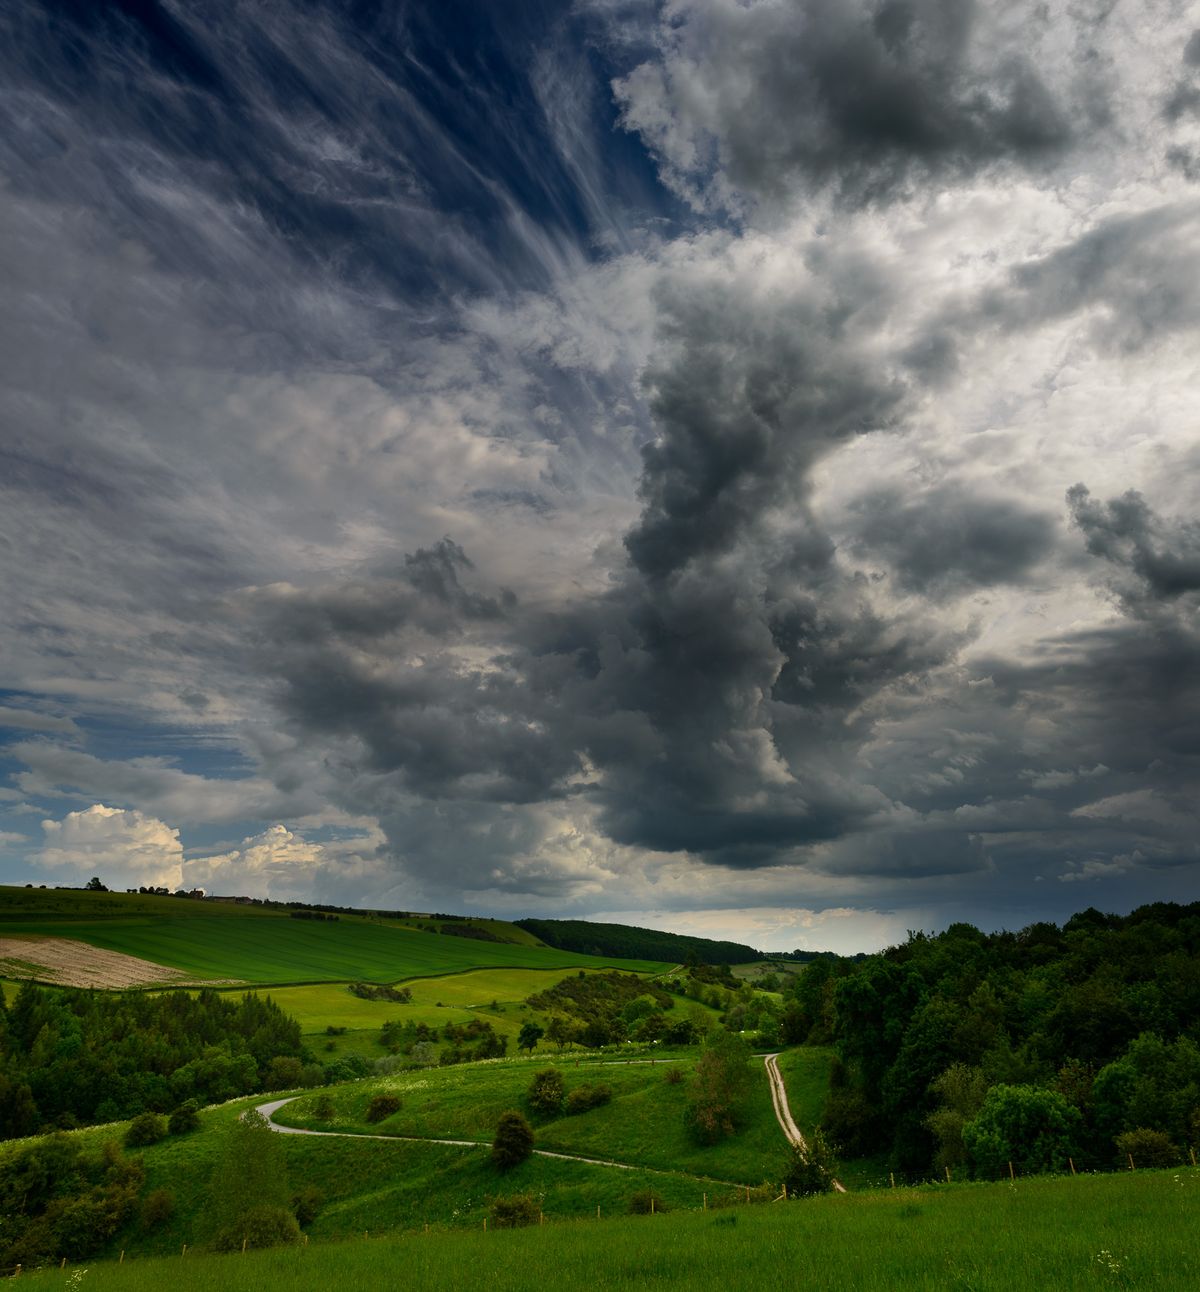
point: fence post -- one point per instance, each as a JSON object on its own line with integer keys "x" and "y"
{"x": 705, "y": 1206}
{"x": 1011, "y": 1173}
{"x": 597, "y": 1211}
{"x": 947, "y": 1175}
{"x": 1130, "y": 1157}
{"x": 1072, "y": 1162}
{"x": 122, "y": 1260}
{"x": 652, "y": 1204}
{"x": 184, "y": 1252}
{"x": 485, "y": 1224}
{"x": 63, "y": 1266}
{"x": 1192, "y": 1151}
{"x": 244, "y": 1242}
{"x": 892, "y": 1177}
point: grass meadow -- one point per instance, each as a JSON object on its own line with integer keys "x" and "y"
{"x": 1135, "y": 1230}
{"x": 258, "y": 947}
{"x": 643, "y": 1125}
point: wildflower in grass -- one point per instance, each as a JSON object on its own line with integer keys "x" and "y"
{"x": 75, "y": 1278}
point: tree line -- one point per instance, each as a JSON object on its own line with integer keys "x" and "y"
{"x": 1050, "y": 1047}
{"x": 75, "y": 1057}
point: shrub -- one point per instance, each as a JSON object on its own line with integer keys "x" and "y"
{"x": 646, "y": 1203}
{"x": 382, "y": 1107}
{"x": 546, "y": 1092}
{"x": 513, "y": 1142}
{"x": 582, "y": 1098}
{"x": 262, "y": 1226}
{"x": 1147, "y": 1148}
{"x": 516, "y": 1210}
{"x": 306, "y": 1204}
{"x": 283, "y": 1073}
{"x": 157, "y": 1208}
{"x": 146, "y": 1128}
{"x": 323, "y": 1109}
{"x": 673, "y": 1076}
{"x": 806, "y": 1174}
{"x": 185, "y": 1118}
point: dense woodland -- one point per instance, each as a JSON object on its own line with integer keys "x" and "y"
{"x": 70, "y": 1057}
{"x": 628, "y": 943}
{"x": 1043, "y": 1047}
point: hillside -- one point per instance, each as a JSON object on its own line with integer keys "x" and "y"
{"x": 258, "y": 945}
{"x": 629, "y": 942}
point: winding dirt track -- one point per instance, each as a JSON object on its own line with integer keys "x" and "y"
{"x": 269, "y": 1110}
{"x": 783, "y": 1114}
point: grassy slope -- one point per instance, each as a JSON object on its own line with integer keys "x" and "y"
{"x": 1044, "y": 1233}
{"x": 257, "y": 946}
{"x": 644, "y": 1123}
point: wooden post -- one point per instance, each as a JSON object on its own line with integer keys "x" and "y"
{"x": 892, "y": 1177}
{"x": 305, "y": 1244}
{"x": 652, "y": 1204}
{"x": 705, "y": 1206}
{"x": 541, "y": 1217}
{"x": 485, "y": 1224}
{"x": 747, "y": 1193}
{"x": 63, "y": 1266}
{"x": 1192, "y": 1151}
{"x": 427, "y": 1226}
{"x": 244, "y": 1242}
{"x": 122, "y": 1260}
{"x": 1130, "y": 1157}
{"x": 1072, "y": 1162}
{"x": 1011, "y": 1173}
{"x": 597, "y": 1211}
{"x": 184, "y": 1252}
{"x": 947, "y": 1175}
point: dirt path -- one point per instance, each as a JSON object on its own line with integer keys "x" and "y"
{"x": 783, "y": 1114}
{"x": 269, "y": 1110}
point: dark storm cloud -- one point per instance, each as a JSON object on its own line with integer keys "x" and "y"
{"x": 949, "y": 540}
{"x": 1163, "y": 556}
{"x": 867, "y": 97}
{"x": 708, "y": 689}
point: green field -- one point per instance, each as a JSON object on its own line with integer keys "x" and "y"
{"x": 494, "y": 994}
{"x": 644, "y": 1123}
{"x": 1132, "y": 1230}
{"x": 257, "y": 946}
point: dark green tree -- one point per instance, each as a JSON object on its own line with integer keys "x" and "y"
{"x": 249, "y": 1199}
{"x": 531, "y": 1033}
{"x": 513, "y": 1143}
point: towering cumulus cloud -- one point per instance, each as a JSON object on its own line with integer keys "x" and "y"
{"x": 724, "y": 462}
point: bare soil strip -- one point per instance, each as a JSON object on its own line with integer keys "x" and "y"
{"x": 67, "y": 963}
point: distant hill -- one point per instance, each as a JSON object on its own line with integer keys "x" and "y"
{"x": 630, "y": 943}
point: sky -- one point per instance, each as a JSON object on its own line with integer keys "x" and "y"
{"x": 721, "y": 465}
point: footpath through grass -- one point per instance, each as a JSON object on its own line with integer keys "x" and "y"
{"x": 1134, "y": 1230}
{"x": 643, "y": 1124}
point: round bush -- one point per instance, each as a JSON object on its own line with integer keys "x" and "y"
{"x": 513, "y": 1142}
{"x": 515, "y": 1211}
{"x": 259, "y": 1227}
{"x": 382, "y": 1107}
{"x": 146, "y": 1128}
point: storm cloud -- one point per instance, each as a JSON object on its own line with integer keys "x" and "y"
{"x": 697, "y": 457}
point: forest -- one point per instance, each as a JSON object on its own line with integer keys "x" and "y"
{"x": 629, "y": 943}
{"x": 1052, "y": 1047}
{"x": 75, "y": 1057}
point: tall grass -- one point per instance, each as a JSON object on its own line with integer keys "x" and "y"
{"x": 1136, "y": 1230}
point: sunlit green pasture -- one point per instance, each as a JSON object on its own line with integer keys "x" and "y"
{"x": 644, "y": 1123}
{"x": 1126, "y": 1230}
{"x": 268, "y": 947}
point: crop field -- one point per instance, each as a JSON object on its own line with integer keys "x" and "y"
{"x": 1132, "y": 1230}
{"x": 644, "y": 1123}
{"x": 268, "y": 947}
